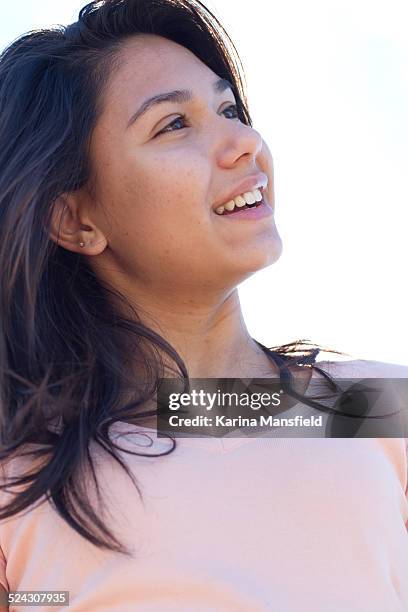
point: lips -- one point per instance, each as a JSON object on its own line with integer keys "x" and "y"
{"x": 247, "y": 213}
{"x": 237, "y": 210}
{"x": 254, "y": 181}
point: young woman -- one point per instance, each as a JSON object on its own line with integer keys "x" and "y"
{"x": 135, "y": 196}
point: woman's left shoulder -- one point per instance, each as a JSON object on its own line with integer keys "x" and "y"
{"x": 368, "y": 368}
{"x": 361, "y": 368}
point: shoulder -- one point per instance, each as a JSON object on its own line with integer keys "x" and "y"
{"x": 366, "y": 368}
{"x": 363, "y": 368}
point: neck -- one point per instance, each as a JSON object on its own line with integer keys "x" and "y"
{"x": 210, "y": 336}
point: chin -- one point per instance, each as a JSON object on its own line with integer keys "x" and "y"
{"x": 266, "y": 256}
{"x": 259, "y": 259}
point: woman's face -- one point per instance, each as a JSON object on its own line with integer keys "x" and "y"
{"x": 157, "y": 179}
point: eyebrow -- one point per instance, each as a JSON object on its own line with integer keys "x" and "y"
{"x": 179, "y": 96}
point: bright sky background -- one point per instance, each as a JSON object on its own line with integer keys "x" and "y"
{"x": 328, "y": 90}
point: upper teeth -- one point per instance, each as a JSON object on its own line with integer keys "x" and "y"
{"x": 249, "y": 197}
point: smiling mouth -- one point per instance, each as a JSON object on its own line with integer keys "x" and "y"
{"x": 249, "y": 199}
{"x": 238, "y": 210}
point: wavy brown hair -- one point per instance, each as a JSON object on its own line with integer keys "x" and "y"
{"x": 63, "y": 343}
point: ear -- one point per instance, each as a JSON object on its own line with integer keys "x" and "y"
{"x": 72, "y": 228}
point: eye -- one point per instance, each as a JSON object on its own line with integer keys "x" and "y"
{"x": 235, "y": 111}
{"x": 183, "y": 119}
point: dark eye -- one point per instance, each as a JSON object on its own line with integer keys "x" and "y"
{"x": 235, "y": 110}
{"x": 182, "y": 119}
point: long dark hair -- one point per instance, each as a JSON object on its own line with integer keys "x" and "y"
{"x": 63, "y": 343}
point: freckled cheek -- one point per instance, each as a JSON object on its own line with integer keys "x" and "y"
{"x": 163, "y": 190}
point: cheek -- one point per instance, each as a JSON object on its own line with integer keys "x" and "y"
{"x": 166, "y": 189}
{"x": 161, "y": 202}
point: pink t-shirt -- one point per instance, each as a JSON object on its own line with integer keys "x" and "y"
{"x": 230, "y": 525}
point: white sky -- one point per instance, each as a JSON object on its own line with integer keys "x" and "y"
{"x": 328, "y": 90}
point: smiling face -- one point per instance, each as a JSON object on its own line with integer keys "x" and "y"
{"x": 157, "y": 180}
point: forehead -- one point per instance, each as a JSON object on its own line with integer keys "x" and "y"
{"x": 150, "y": 64}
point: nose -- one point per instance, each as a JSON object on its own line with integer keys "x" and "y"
{"x": 237, "y": 141}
